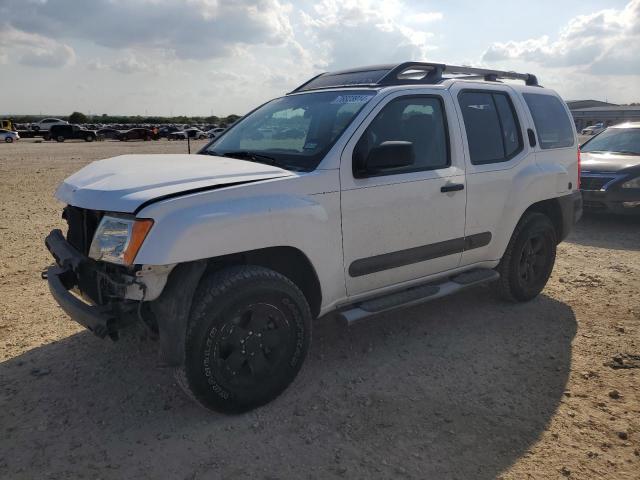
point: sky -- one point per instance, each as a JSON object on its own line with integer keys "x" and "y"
{"x": 203, "y": 57}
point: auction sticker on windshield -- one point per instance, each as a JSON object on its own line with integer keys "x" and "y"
{"x": 341, "y": 99}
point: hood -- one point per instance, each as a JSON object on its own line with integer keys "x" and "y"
{"x": 124, "y": 183}
{"x": 608, "y": 162}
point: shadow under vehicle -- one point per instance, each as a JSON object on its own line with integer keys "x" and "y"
{"x": 457, "y": 389}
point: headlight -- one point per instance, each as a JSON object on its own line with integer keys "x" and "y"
{"x": 118, "y": 239}
{"x": 633, "y": 183}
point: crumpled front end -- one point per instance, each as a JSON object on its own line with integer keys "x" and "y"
{"x": 101, "y": 296}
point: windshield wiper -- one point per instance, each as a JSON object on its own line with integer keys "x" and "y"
{"x": 252, "y": 157}
{"x": 255, "y": 157}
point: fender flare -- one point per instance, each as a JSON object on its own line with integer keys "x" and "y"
{"x": 172, "y": 309}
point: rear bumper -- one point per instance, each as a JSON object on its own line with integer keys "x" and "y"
{"x": 571, "y": 207}
{"x": 612, "y": 201}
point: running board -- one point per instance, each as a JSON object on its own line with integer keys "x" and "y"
{"x": 417, "y": 295}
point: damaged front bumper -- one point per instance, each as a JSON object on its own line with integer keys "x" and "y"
{"x": 112, "y": 296}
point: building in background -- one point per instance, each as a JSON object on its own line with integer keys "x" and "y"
{"x": 590, "y": 112}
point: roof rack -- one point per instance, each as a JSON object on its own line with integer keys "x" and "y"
{"x": 408, "y": 73}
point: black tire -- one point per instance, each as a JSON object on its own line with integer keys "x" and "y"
{"x": 59, "y": 138}
{"x": 46, "y": 137}
{"x": 8, "y": 139}
{"x": 248, "y": 335}
{"x": 35, "y": 128}
{"x": 528, "y": 261}
{"x": 89, "y": 138}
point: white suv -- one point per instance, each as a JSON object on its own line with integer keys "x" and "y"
{"x": 360, "y": 192}
{"x": 46, "y": 123}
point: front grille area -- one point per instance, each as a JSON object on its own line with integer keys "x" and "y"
{"x": 82, "y": 225}
{"x": 593, "y": 183}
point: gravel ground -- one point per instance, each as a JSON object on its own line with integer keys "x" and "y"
{"x": 465, "y": 387}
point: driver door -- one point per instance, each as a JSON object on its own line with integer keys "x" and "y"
{"x": 404, "y": 223}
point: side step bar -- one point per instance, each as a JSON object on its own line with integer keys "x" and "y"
{"x": 417, "y": 294}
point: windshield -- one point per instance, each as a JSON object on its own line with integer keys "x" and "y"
{"x": 617, "y": 140}
{"x": 293, "y": 132}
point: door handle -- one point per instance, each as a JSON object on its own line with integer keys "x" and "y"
{"x": 452, "y": 187}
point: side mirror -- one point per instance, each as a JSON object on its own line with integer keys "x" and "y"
{"x": 391, "y": 154}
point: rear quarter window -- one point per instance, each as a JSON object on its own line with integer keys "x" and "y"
{"x": 552, "y": 123}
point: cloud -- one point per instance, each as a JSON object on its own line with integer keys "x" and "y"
{"x": 350, "y": 32}
{"x": 228, "y": 54}
{"x": 132, "y": 64}
{"x": 605, "y": 42}
{"x": 424, "y": 17}
{"x": 33, "y": 49}
{"x": 191, "y": 29}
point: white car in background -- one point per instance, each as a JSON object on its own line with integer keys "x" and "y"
{"x": 46, "y": 123}
{"x": 593, "y": 129}
{"x": 193, "y": 132}
{"x": 214, "y": 132}
{"x": 8, "y": 136}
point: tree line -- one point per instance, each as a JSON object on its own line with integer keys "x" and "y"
{"x": 79, "y": 117}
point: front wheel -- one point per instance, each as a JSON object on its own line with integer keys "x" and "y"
{"x": 8, "y": 139}
{"x": 59, "y": 138}
{"x": 89, "y": 138}
{"x": 529, "y": 258}
{"x": 249, "y": 332}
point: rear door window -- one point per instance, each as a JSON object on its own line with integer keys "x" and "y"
{"x": 491, "y": 124}
{"x": 551, "y": 120}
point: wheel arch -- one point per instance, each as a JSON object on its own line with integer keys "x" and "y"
{"x": 550, "y": 208}
{"x": 288, "y": 261}
{"x": 171, "y": 310}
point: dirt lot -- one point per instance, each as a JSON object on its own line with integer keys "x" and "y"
{"x": 465, "y": 387}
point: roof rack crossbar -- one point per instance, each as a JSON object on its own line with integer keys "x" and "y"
{"x": 492, "y": 75}
{"x": 412, "y": 73}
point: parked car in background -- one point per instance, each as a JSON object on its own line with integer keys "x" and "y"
{"x": 136, "y": 134}
{"x": 164, "y": 132}
{"x": 46, "y": 123}
{"x": 593, "y": 129}
{"x": 192, "y": 132}
{"x": 214, "y": 132}
{"x": 108, "y": 133}
{"x": 60, "y": 133}
{"x": 8, "y": 136}
{"x": 610, "y": 170}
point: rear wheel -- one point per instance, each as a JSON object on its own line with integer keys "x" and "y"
{"x": 8, "y": 139}
{"x": 89, "y": 138}
{"x": 529, "y": 258}
{"x": 60, "y": 138}
{"x": 248, "y": 334}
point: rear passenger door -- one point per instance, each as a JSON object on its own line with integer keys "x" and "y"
{"x": 495, "y": 151}
{"x": 404, "y": 223}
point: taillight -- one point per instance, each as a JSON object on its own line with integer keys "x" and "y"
{"x": 579, "y": 168}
